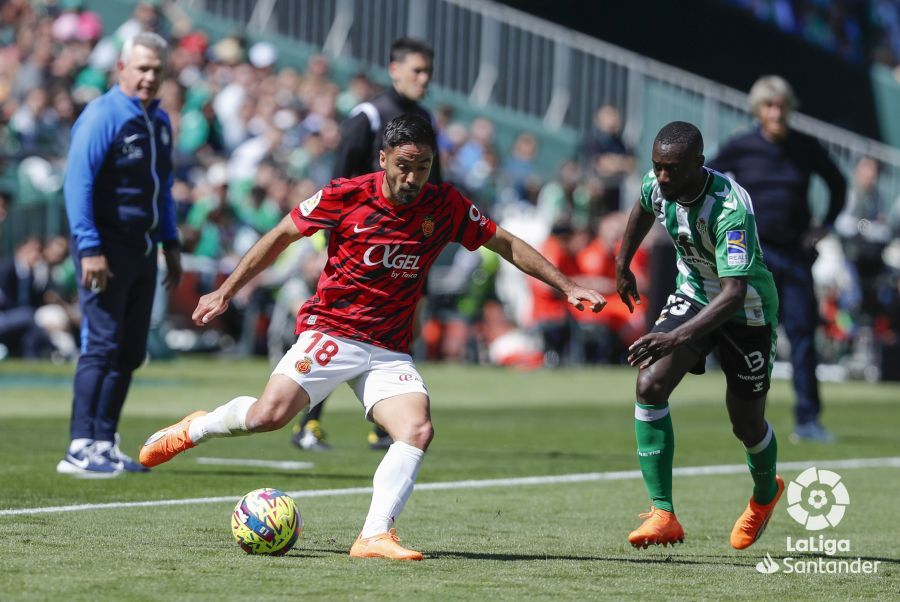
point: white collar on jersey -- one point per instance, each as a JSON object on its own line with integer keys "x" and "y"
{"x": 702, "y": 190}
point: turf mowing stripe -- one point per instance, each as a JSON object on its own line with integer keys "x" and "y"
{"x": 282, "y": 464}
{"x": 620, "y": 475}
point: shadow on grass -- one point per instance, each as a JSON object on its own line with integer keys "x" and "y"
{"x": 695, "y": 560}
{"x": 598, "y": 457}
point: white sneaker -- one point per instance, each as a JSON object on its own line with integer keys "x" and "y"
{"x": 86, "y": 464}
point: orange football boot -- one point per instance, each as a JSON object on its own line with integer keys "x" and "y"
{"x": 753, "y": 521}
{"x": 383, "y": 545}
{"x": 660, "y": 528}
{"x": 165, "y": 444}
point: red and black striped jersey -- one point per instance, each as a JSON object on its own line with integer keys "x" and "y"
{"x": 379, "y": 254}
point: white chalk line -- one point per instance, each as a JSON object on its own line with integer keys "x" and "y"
{"x": 621, "y": 475}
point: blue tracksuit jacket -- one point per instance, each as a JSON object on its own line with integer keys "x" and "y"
{"x": 118, "y": 184}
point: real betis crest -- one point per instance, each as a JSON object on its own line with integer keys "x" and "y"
{"x": 701, "y": 226}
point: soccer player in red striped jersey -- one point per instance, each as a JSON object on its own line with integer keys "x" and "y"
{"x": 387, "y": 229}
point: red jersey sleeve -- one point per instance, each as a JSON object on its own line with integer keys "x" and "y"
{"x": 321, "y": 211}
{"x": 471, "y": 228}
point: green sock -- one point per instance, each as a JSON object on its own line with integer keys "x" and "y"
{"x": 761, "y": 460}
{"x": 655, "y": 450}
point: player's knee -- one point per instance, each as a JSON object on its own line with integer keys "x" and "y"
{"x": 424, "y": 435}
{"x": 749, "y": 433}
{"x": 419, "y": 434}
{"x": 741, "y": 432}
{"x": 650, "y": 390}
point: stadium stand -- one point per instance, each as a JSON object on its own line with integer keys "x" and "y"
{"x": 257, "y": 90}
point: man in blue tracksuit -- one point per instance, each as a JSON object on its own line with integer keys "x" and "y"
{"x": 119, "y": 204}
{"x": 774, "y": 163}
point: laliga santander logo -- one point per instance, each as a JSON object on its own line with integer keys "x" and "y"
{"x": 817, "y": 499}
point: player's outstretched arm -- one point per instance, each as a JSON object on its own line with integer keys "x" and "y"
{"x": 639, "y": 223}
{"x": 259, "y": 257}
{"x": 522, "y": 255}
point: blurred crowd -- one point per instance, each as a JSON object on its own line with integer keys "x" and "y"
{"x": 254, "y": 136}
{"x": 858, "y": 30}
{"x": 858, "y": 269}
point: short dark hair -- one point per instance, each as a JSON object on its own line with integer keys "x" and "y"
{"x": 409, "y": 129}
{"x": 681, "y": 132}
{"x": 403, "y": 46}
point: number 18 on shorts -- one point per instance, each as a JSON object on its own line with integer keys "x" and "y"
{"x": 319, "y": 363}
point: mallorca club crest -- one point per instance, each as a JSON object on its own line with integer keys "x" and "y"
{"x": 304, "y": 366}
{"x": 428, "y": 226}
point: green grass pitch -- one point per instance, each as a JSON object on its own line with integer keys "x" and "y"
{"x": 506, "y": 542}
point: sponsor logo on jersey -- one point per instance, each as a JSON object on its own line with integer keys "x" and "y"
{"x": 428, "y": 226}
{"x": 736, "y": 247}
{"x": 307, "y": 206}
{"x": 389, "y": 257}
{"x": 304, "y": 366}
{"x": 474, "y": 214}
{"x": 164, "y": 135}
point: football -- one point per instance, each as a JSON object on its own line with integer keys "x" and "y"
{"x": 266, "y": 521}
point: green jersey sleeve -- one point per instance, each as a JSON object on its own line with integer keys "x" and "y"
{"x": 737, "y": 247}
{"x": 647, "y": 191}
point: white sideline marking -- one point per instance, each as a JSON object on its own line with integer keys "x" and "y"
{"x": 620, "y": 475}
{"x": 282, "y": 464}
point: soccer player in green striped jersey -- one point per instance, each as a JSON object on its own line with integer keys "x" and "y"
{"x": 725, "y": 299}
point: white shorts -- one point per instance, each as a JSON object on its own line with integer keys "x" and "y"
{"x": 319, "y": 363}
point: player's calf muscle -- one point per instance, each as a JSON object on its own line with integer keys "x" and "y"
{"x": 272, "y": 414}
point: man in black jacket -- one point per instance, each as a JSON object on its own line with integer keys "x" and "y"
{"x": 410, "y": 68}
{"x": 774, "y": 163}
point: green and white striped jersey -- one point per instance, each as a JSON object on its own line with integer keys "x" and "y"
{"x": 715, "y": 237}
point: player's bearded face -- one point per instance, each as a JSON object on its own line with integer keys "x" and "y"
{"x": 406, "y": 170}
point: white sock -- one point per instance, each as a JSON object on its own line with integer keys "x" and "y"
{"x": 391, "y": 486}
{"x": 226, "y": 420}
{"x": 102, "y": 446}
{"x": 79, "y": 444}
